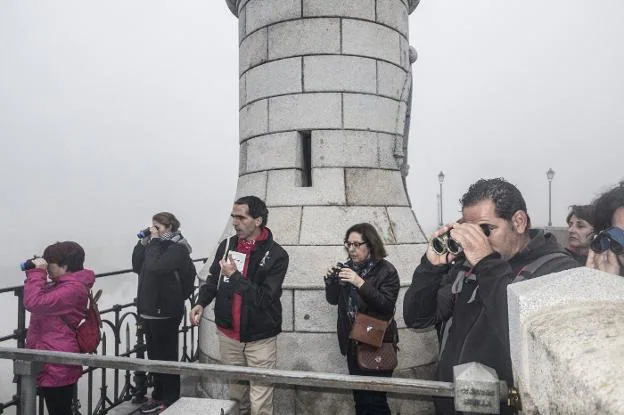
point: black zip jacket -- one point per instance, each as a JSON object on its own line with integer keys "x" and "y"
{"x": 159, "y": 292}
{"x": 479, "y": 330}
{"x": 377, "y": 297}
{"x": 261, "y": 309}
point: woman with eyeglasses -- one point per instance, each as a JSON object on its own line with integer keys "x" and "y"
{"x": 369, "y": 284}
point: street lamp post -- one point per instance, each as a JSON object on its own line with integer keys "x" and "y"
{"x": 550, "y": 174}
{"x": 441, "y": 180}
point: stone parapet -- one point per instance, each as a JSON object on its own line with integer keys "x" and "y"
{"x": 566, "y": 332}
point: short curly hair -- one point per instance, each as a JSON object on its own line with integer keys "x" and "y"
{"x": 605, "y": 205}
{"x": 506, "y": 197}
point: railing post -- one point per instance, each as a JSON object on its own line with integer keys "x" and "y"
{"x": 27, "y": 371}
{"x": 140, "y": 379}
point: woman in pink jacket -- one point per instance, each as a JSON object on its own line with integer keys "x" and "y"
{"x": 56, "y": 309}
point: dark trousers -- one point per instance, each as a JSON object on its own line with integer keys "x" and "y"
{"x": 367, "y": 402}
{"x": 58, "y": 400}
{"x": 161, "y": 338}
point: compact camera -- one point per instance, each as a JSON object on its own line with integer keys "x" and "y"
{"x": 144, "y": 233}
{"x": 445, "y": 244}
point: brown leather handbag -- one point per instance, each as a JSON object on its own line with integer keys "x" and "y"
{"x": 369, "y": 330}
{"x": 380, "y": 359}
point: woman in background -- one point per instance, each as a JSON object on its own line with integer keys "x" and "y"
{"x": 56, "y": 309}
{"x": 580, "y": 231}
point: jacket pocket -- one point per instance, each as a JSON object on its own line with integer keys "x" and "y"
{"x": 223, "y": 308}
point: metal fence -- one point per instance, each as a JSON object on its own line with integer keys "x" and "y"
{"x": 121, "y": 324}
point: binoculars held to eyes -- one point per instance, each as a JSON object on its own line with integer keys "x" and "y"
{"x": 144, "y": 233}
{"x": 28, "y": 264}
{"x": 445, "y": 244}
{"x": 611, "y": 238}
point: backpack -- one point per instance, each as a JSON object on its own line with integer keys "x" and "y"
{"x": 186, "y": 278}
{"x": 88, "y": 332}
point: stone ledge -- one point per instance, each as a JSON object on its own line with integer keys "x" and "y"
{"x": 568, "y": 328}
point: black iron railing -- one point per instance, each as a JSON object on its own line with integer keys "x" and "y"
{"x": 118, "y": 321}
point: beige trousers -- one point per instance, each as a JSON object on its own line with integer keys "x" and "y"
{"x": 254, "y": 396}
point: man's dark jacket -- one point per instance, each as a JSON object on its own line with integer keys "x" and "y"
{"x": 261, "y": 309}
{"x": 159, "y": 291}
{"x": 377, "y": 297}
{"x": 479, "y": 329}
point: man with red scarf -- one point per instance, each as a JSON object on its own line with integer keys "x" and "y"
{"x": 245, "y": 280}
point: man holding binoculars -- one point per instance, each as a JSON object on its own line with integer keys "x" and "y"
{"x": 460, "y": 286}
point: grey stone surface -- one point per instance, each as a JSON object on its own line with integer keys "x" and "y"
{"x": 568, "y": 325}
{"x": 417, "y": 347}
{"x": 327, "y": 188}
{"x": 202, "y": 406}
{"x": 313, "y": 313}
{"x": 372, "y": 40}
{"x": 372, "y": 113}
{"x": 308, "y": 264}
{"x": 375, "y": 187}
{"x": 404, "y": 225}
{"x": 386, "y": 149}
{"x": 285, "y": 223}
{"x": 242, "y": 23}
{"x": 348, "y": 148}
{"x": 317, "y": 352}
{"x": 304, "y": 37}
{"x": 529, "y": 298}
{"x": 252, "y": 184}
{"x": 273, "y": 78}
{"x": 394, "y": 14}
{"x": 274, "y": 151}
{"x": 361, "y": 9}
{"x": 476, "y": 388}
{"x": 253, "y": 50}
{"x": 242, "y": 92}
{"x": 585, "y": 355}
{"x": 391, "y": 80}
{"x": 305, "y": 112}
{"x": 336, "y": 220}
{"x": 288, "y": 311}
{"x": 339, "y": 73}
{"x": 265, "y": 12}
{"x": 253, "y": 119}
{"x": 405, "y": 258}
{"x": 405, "y": 53}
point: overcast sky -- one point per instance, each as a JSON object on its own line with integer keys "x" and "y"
{"x": 112, "y": 111}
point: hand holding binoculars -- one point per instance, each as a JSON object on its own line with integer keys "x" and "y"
{"x": 445, "y": 244}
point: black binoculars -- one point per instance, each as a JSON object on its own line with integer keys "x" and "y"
{"x": 445, "y": 244}
{"x": 144, "y": 233}
{"x": 609, "y": 239}
{"x": 26, "y": 265}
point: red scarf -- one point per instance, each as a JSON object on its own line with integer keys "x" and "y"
{"x": 245, "y": 247}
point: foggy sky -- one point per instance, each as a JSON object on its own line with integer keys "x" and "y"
{"x": 112, "y": 111}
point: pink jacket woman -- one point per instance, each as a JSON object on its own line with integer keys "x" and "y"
{"x": 54, "y": 307}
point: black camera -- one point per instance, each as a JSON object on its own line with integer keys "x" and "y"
{"x": 335, "y": 271}
{"x": 144, "y": 233}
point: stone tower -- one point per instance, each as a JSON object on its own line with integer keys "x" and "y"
{"x": 325, "y": 87}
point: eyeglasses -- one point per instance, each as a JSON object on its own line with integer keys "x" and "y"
{"x": 354, "y": 244}
{"x": 612, "y": 238}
